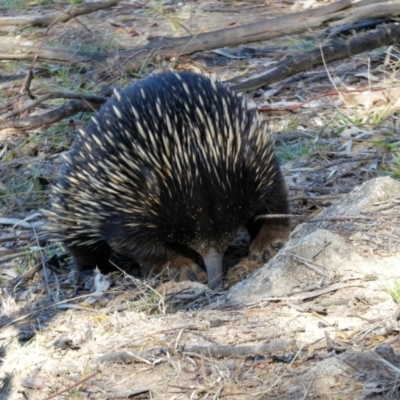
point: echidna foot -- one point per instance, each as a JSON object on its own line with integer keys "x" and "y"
{"x": 267, "y": 243}
{"x": 184, "y": 269}
{"x": 240, "y": 271}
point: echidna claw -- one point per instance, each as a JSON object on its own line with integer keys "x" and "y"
{"x": 267, "y": 243}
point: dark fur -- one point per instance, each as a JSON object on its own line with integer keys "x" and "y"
{"x": 102, "y": 204}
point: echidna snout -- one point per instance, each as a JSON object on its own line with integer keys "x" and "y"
{"x": 213, "y": 262}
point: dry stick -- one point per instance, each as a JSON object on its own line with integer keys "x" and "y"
{"x": 66, "y": 110}
{"x": 93, "y": 382}
{"x": 7, "y": 252}
{"x": 125, "y": 394}
{"x": 21, "y": 223}
{"x": 323, "y": 190}
{"x": 63, "y": 16}
{"x": 229, "y": 351}
{"x": 331, "y": 345}
{"x": 306, "y": 262}
{"x": 264, "y": 394}
{"x": 329, "y": 93}
{"x": 296, "y": 135}
{"x": 336, "y": 50}
{"x": 306, "y": 295}
{"x": 83, "y": 296}
{"x": 316, "y": 293}
{"x": 317, "y": 198}
{"x": 165, "y": 47}
{"x": 64, "y": 56}
{"x": 53, "y": 95}
{"x": 72, "y": 386}
{"x": 4, "y": 259}
{"x": 363, "y": 3}
{"x": 341, "y": 161}
{"x": 26, "y": 84}
{"x": 307, "y": 219}
{"x": 289, "y": 136}
{"x": 372, "y": 10}
{"x": 26, "y": 275}
{"x": 110, "y": 392}
{"x": 126, "y": 357}
{"x": 14, "y": 238}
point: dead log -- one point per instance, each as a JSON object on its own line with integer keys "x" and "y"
{"x": 374, "y": 10}
{"x": 68, "y": 109}
{"x": 335, "y": 50}
{"x": 60, "y": 16}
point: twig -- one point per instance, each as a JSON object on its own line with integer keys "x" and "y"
{"x": 230, "y": 351}
{"x": 315, "y": 198}
{"x": 128, "y": 356}
{"x": 20, "y": 223}
{"x": 305, "y": 218}
{"x": 308, "y": 264}
{"x": 26, "y": 275}
{"x": 331, "y": 345}
{"x": 49, "y": 96}
{"x": 72, "y": 386}
{"x": 320, "y": 292}
{"x": 343, "y": 161}
{"x": 112, "y": 393}
{"x": 323, "y": 190}
{"x": 14, "y": 238}
{"x": 63, "y": 16}
{"x": 66, "y": 110}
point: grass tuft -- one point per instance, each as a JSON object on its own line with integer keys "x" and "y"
{"x": 394, "y": 291}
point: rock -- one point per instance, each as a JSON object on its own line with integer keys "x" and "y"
{"x": 314, "y": 256}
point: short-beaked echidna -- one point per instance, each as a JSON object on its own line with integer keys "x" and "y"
{"x": 169, "y": 167}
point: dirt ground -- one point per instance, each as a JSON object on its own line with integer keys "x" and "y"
{"x": 120, "y": 337}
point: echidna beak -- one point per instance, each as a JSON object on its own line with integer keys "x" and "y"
{"x": 213, "y": 262}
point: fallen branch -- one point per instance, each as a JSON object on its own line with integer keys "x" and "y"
{"x": 66, "y": 110}
{"x": 336, "y": 50}
{"x": 60, "y": 16}
{"x": 55, "y": 55}
{"x": 53, "y": 95}
{"x": 374, "y": 10}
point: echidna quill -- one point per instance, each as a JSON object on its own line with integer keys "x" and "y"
{"x": 165, "y": 174}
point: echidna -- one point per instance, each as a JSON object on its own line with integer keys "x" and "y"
{"x": 168, "y": 170}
